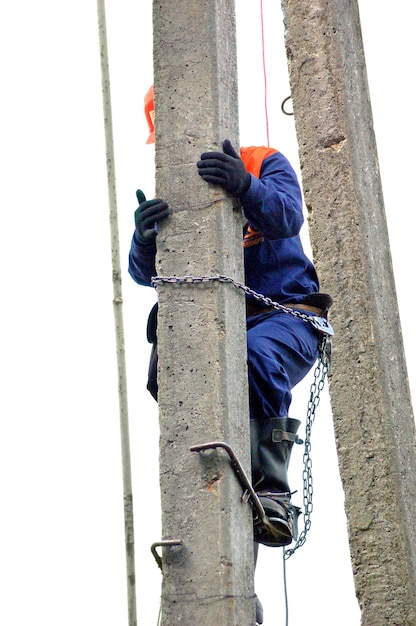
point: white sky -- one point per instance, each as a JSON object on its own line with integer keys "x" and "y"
{"x": 62, "y": 536}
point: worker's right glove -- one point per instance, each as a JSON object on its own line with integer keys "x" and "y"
{"x": 148, "y": 215}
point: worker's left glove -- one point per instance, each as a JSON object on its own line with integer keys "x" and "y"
{"x": 225, "y": 169}
{"x": 148, "y": 215}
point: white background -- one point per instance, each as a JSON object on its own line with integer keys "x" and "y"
{"x": 62, "y": 535}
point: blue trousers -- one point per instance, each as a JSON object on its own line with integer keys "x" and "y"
{"x": 281, "y": 349}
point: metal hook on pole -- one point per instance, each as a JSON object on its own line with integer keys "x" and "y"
{"x": 282, "y": 106}
{"x": 118, "y": 318}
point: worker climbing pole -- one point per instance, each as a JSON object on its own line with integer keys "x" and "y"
{"x": 370, "y": 397}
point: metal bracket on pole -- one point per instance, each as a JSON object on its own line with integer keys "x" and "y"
{"x": 249, "y": 493}
{"x": 165, "y": 543}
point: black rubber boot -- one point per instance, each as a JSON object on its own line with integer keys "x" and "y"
{"x": 271, "y": 446}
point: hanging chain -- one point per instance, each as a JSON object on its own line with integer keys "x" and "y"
{"x": 318, "y": 383}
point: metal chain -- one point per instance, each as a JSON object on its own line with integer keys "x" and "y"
{"x": 318, "y": 322}
{"x": 318, "y": 383}
{"x": 181, "y": 280}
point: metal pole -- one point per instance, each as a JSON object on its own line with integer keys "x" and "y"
{"x": 118, "y": 319}
{"x": 369, "y": 390}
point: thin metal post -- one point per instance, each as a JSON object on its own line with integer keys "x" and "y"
{"x": 118, "y": 318}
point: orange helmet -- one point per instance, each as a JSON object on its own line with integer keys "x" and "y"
{"x": 149, "y": 111}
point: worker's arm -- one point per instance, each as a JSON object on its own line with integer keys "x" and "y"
{"x": 142, "y": 261}
{"x": 272, "y": 203}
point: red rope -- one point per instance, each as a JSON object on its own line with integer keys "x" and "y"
{"x": 264, "y": 73}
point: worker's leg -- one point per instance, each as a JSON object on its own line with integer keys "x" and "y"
{"x": 281, "y": 351}
{"x": 271, "y": 446}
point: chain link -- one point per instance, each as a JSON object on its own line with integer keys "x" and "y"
{"x": 320, "y": 373}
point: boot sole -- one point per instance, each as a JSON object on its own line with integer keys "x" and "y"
{"x": 281, "y": 521}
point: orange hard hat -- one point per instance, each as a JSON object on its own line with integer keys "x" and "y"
{"x": 149, "y": 111}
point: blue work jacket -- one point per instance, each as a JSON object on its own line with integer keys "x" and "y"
{"x": 274, "y": 260}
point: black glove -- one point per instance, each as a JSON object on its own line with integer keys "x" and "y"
{"x": 225, "y": 169}
{"x": 148, "y": 215}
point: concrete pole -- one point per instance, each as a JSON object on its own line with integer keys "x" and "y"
{"x": 208, "y": 579}
{"x": 370, "y": 397}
